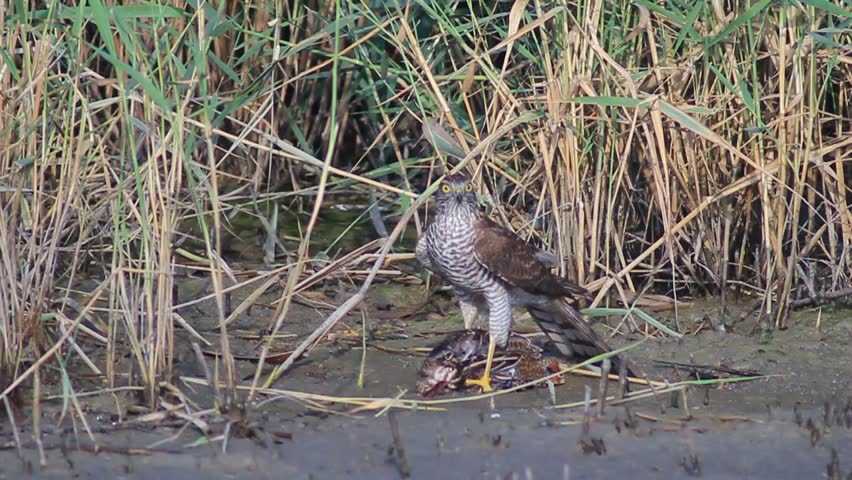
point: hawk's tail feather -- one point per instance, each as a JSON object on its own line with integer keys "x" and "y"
{"x": 572, "y": 335}
{"x": 573, "y": 289}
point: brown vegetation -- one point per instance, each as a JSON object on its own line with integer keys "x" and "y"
{"x": 653, "y": 150}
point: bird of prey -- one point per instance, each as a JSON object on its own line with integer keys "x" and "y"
{"x": 490, "y": 268}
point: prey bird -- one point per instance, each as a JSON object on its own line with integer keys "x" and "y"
{"x": 462, "y": 354}
{"x": 490, "y": 268}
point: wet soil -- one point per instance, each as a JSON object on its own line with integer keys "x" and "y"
{"x": 514, "y": 443}
{"x": 785, "y": 426}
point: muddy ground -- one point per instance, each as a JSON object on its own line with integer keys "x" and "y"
{"x": 796, "y": 425}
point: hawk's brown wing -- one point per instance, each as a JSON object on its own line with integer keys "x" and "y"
{"x": 518, "y": 263}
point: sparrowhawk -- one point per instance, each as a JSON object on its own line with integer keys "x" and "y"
{"x": 489, "y": 267}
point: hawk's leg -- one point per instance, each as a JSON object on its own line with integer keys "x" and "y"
{"x": 469, "y": 309}
{"x": 421, "y": 252}
{"x": 484, "y": 382}
{"x": 499, "y": 324}
{"x": 469, "y": 313}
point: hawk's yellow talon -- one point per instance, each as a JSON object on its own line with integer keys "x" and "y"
{"x": 484, "y": 383}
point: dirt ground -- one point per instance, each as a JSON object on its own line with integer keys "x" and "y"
{"x": 795, "y": 425}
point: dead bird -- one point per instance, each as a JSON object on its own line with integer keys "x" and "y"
{"x": 462, "y": 355}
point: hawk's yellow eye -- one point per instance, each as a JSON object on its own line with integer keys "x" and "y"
{"x": 468, "y": 187}
{"x": 445, "y": 188}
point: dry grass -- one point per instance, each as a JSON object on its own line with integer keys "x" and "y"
{"x": 667, "y": 147}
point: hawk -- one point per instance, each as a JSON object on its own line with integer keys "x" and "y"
{"x": 490, "y": 268}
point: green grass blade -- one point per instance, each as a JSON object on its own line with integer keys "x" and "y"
{"x": 604, "y": 312}
{"x": 830, "y": 7}
{"x": 744, "y": 18}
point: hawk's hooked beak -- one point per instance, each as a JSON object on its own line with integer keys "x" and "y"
{"x": 459, "y": 197}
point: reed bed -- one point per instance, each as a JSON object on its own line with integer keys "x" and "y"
{"x": 675, "y": 148}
